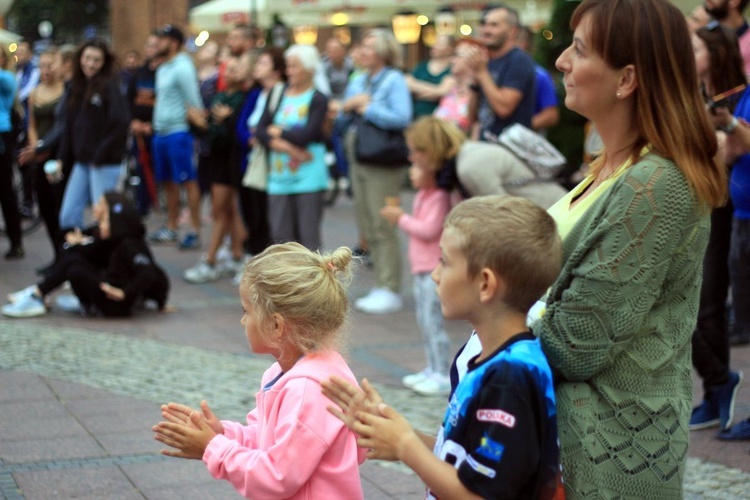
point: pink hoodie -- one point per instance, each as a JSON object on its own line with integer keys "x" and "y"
{"x": 424, "y": 228}
{"x": 291, "y": 446}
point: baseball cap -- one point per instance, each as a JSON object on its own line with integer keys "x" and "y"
{"x": 172, "y": 32}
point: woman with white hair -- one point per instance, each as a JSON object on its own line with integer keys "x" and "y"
{"x": 293, "y": 133}
{"x": 379, "y": 95}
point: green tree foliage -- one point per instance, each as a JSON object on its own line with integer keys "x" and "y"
{"x": 568, "y": 134}
{"x": 560, "y": 35}
{"x": 70, "y": 18}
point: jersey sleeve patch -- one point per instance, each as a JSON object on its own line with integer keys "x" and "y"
{"x": 497, "y": 416}
{"x": 490, "y": 449}
{"x": 480, "y": 468}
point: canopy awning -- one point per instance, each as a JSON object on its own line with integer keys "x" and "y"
{"x": 221, "y": 15}
{"x": 8, "y": 37}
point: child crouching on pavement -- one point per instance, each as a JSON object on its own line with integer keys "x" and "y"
{"x": 295, "y": 305}
{"x": 109, "y": 266}
{"x": 499, "y": 434}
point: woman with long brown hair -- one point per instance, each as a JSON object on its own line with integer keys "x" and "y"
{"x": 619, "y": 318}
{"x": 96, "y": 127}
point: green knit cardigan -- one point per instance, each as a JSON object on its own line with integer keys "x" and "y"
{"x": 617, "y": 333}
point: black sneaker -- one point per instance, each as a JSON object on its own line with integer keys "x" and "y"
{"x": 15, "y": 252}
{"x": 364, "y": 255}
{"x": 359, "y": 252}
{"x": 26, "y": 212}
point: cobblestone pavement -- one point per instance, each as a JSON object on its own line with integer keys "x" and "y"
{"x": 160, "y": 372}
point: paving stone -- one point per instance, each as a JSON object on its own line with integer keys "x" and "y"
{"x": 138, "y": 442}
{"x": 49, "y": 449}
{"x": 215, "y": 490}
{"x": 32, "y": 427}
{"x": 68, "y": 391}
{"x": 23, "y": 387}
{"x": 172, "y": 472}
{"x": 18, "y": 411}
{"x": 76, "y": 483}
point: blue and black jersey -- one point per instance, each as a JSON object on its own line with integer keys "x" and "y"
{"x": 499, "y": 429}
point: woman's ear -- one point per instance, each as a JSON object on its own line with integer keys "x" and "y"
{"x": 628, "y": 82}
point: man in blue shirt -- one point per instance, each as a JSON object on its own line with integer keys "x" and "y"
{"x": 506, "y": 81}
{"x": 178, "y": 99}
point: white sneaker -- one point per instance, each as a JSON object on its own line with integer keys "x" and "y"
{"x": 27, "y": 307}
{"x": 435, "y": 384}
{"x": 224, "y": 253}
{"x": 21, "y": 294}
{"x": 411, "y": 380}
{"x": 380, "y": 301}
{"x": 367, "y": 298}
{"x": 68, "y": 303}
{"x": 203, "y": 272}
{"x": 229, "y": 267}
{"x": 241, "y": 270}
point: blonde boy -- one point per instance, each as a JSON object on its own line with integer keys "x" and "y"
{"x": 499, "y": 438}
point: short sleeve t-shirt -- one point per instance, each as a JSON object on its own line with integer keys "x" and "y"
{"x": 308, "y": 177}
{"x": 421, "y": 72}
{"x": 739, "y": 181}
{"x": 545, "y": 90}
{"x": 515, "y": 70}
{"x": 499, "y": 429}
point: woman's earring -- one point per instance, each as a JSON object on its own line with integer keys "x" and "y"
{"x": 619, "y": 94}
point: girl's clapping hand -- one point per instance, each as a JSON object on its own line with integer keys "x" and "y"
{"x": 180, "y": 414}
{"x": 190, "y": 441}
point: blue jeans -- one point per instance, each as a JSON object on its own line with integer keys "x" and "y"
{"x": 739, "y": 267}
{"x": 85, "y": 186}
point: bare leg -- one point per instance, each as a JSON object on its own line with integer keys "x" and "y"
{"x": 222, "y": 197}
{"x": 172, "y": 193}
{"x": 194, "y": 204}
{"x": 237, "y": 228}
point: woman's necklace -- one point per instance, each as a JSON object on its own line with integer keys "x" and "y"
{"x": 600, "y": 177}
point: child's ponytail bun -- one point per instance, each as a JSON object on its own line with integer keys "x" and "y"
{"x": 339, "y": 262}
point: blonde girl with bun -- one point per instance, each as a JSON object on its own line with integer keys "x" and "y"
{"x": 295, "y": 308}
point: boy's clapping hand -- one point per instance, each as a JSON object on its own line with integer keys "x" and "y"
{"x": 350, "y": 399}
{"x": 386, "y": 434}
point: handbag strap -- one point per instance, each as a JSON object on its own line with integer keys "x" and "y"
{"x": 274, "y": 98}
{"x": 371, "y": 85}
